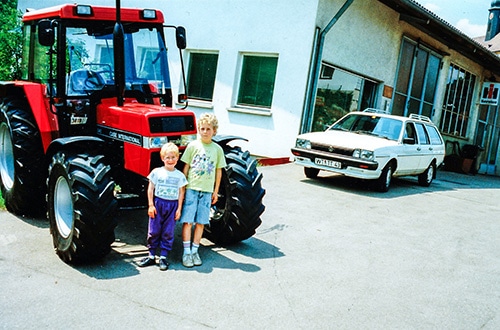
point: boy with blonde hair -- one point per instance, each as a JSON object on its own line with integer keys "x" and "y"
{"x": 204, "y": 161}
{"x": 165, "y": 198}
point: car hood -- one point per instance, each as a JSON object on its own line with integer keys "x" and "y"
{"x": 348, "y": 140}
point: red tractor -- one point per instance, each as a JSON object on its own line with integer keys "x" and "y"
{"x": 83, "y": 128}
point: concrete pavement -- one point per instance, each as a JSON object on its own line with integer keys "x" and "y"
{"x": 330, "y": 253}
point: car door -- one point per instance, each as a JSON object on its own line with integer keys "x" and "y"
{"x": 424, "y": 148}
{"x": 409, "y": 157}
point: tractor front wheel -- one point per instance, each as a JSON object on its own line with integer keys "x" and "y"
{"x": 81, "y": 206}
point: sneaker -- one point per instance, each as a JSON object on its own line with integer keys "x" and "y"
{"x": 147, "y": 261}
{"x": 196, "y": 259}
{"x": 163, "y": 264}
{"x": 187, "y": 260}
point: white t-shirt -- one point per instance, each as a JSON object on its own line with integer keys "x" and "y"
{"x": 167, "y": 183}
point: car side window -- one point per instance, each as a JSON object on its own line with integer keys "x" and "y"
{"x": 423, "y": 138}
{"x": 410, "y": 132}
{"x": 434, "y": 135}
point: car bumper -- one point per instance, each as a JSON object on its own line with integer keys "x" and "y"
{"x": 345, "y": 165}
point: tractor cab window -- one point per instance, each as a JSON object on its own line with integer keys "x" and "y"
{"x": 41, "y": 61}
{"x": 90, "y": 60}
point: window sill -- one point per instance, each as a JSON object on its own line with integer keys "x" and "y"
{"x": 252, "y": 111}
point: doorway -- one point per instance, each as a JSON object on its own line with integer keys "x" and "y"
{"x": 488, "y": 137}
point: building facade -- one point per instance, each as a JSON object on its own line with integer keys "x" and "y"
{"x": 272, "y": 69}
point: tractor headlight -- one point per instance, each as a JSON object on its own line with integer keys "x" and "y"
{"x": 185, "y": 139}
{"x": 303, "y": 143}
{"x": 157, "y": 141}
{"x": 363, "y": 154}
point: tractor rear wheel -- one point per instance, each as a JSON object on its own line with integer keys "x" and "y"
{"x": 237, "y": 213}
{"x": 22, "y": 171}
{"x": 81, "y": 206}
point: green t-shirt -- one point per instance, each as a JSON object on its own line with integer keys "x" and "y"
{"x": 203, "y": 160}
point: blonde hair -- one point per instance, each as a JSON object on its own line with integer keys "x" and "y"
{"x": 169, "y": 147}
{"x": 210, "y": 119}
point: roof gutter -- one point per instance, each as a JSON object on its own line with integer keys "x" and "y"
{"x": 316, "y": 67}
{"x": 418, "y": 16}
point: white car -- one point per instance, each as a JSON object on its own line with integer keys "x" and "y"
{"x": 373, "y": 145}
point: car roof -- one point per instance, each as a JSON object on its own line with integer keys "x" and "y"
{"x": 386, "y": 114}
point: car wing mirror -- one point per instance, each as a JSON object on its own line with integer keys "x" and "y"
{"x": 408, "y": 141}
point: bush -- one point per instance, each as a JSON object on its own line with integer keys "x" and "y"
{"x": 10, "y": 40}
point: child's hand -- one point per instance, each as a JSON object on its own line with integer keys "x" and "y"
{"x": 177, "y": 214}
{"x": 152, "y": 211}
{"x": 215, "y": 197}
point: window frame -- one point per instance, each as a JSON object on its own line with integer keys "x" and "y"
{"x": 457, "y": 122}
{"x": 211, "y": 80}
{"x": 255, "y": 108}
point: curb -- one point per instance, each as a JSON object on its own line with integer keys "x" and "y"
{"x": 273, "y": 161}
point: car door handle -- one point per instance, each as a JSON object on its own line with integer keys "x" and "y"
{"x": 431, "y": 148}
{"x": 418, "y": 149}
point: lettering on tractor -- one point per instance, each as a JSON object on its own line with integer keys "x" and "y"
{"x": 83, "y": 128}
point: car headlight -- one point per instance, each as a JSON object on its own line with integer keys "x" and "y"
{"x": 363, "y": 154}
{"x": 303, "y": 143}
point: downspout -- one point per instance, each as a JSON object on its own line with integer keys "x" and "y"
{"x": 315, "y": 69}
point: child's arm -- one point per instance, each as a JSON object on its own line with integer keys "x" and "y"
{"x": 151, "y": 204}
{"x": 215, "y": 194}
{"x": 178, "y": 212}
{"x": 186, "y": 170}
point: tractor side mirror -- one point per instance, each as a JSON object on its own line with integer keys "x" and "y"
{"x": 180, "y": 37}
{"x": 46, "y": 34}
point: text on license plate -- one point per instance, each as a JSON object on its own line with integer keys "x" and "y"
{"x": 326, "y": 162}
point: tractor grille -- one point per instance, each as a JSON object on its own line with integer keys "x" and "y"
{"x": 171, "y": 124}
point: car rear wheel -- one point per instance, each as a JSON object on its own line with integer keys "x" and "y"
{"x": 311, "y": 173}
{"x": 425, "y": 179}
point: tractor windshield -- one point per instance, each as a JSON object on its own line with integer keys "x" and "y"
{"x": 90, "y": 60}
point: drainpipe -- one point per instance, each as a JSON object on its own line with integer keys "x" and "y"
{"x": 315, "y": 69}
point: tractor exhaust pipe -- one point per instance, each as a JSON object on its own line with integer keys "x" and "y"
{"x": 119, "y": 56}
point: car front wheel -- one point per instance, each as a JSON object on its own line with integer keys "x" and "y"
{"x": 311, "y": 173}
{"x": 383, "y": 183}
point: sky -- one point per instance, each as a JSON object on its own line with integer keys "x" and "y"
{"x": 469, "y": 16}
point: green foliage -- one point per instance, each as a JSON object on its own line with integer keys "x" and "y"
{"x": 10, "y": 40}
{"x": 2, "y": 203}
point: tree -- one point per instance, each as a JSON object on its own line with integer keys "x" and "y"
{"x": 10, "y": 40}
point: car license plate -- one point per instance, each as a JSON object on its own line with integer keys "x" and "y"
{"x": 326, "y": 162}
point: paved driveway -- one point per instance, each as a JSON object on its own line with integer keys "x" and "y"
{"x": 330, "y": 253}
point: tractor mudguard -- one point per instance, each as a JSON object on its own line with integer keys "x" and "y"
{"x": 76, "y": 143}
{"x": 223, "y": 140}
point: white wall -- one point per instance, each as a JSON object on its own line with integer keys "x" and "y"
{"x": 281, "y": 27}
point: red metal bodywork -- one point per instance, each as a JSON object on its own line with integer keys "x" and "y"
{"x": 133, "y": 117}
{"x": 98, "y": 13}
{"x": 46, "y": 120}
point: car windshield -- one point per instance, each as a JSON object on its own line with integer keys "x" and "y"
{"x": 90, "y": 64}
{"x": 388, "y": 128}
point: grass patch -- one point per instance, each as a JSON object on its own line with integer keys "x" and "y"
{"x": 2, "y": 202}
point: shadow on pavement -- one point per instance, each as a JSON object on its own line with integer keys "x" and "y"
{"x": 405, "y": 186}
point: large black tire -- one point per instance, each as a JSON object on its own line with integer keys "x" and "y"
{"x": 81, "y": 206}
{"x": 237, "y": 213}
{"x": 22, "y": 170}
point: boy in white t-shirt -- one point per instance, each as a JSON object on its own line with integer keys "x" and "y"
{"x": 165, "y": 198}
